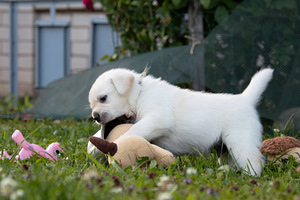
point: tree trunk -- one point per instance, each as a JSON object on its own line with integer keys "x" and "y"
{"x": 195, "y": 17}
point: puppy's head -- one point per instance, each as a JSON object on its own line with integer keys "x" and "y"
{"x": 109, "y": 97}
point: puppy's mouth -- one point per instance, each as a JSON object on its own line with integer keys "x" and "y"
{"x": 123, "y": 119}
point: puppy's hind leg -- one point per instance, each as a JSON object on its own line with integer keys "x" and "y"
{"x": 244, "y": 152}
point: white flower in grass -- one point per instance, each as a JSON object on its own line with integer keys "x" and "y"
{"x": 276, "y": 130}
{"x": 191, "y": 171}
{"x": 8, "y": 186}
{"x": 166, "y": 187}
{"x": 17, "y": 194}
{"x": 163, "y": 182}
{"x": 90, "y": 174}
{"x": 81, "y": 140}
{"x": 165, "y": 196}
{"x": 224, "y": 169}
{"x": 154, "y": 3}
{"x": 116, "y": 190}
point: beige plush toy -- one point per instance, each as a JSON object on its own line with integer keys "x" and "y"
{"x": 128, "y": 150}
{"x": 279, "y": 149}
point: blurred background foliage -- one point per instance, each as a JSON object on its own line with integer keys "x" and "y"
{"x": 235, "y": 40}
{"x": 155, "y": 24}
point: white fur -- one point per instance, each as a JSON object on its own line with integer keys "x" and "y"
{"x": 182, "y": 120}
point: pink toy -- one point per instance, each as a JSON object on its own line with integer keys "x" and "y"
{"x": 52, "y": 152}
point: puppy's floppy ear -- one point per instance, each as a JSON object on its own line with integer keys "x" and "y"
{"x": 123, "y": 82}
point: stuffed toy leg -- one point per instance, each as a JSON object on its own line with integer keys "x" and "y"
{"x": 128, "y": 150}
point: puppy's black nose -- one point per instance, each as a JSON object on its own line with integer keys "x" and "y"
{"x": 97, "y": 117}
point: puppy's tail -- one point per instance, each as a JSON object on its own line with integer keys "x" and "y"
{"x": 257, "y": 85}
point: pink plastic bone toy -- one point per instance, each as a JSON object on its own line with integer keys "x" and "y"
{"x": 52, "y": 152}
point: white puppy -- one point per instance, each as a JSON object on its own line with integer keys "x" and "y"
{"x": 182, "y": 120}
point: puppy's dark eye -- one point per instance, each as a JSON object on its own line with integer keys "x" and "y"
{"x": 103, "y": 99}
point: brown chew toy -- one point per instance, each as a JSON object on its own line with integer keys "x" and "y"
{"x": 106, "y": 146}
{"x": 129, "y": 149}
{"x": 281, "y": 148}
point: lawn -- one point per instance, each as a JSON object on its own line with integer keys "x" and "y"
{"x": 76, "y": 176}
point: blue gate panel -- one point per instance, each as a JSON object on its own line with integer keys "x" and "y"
{"x": 52, "y": 53}
{"x": 104, "y": 40}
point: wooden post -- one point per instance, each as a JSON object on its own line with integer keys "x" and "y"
{"x": 13, "y": 40}
{"x": 195, "y": 16}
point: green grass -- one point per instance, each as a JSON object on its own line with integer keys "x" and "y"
{"x": 75, "y": 176}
